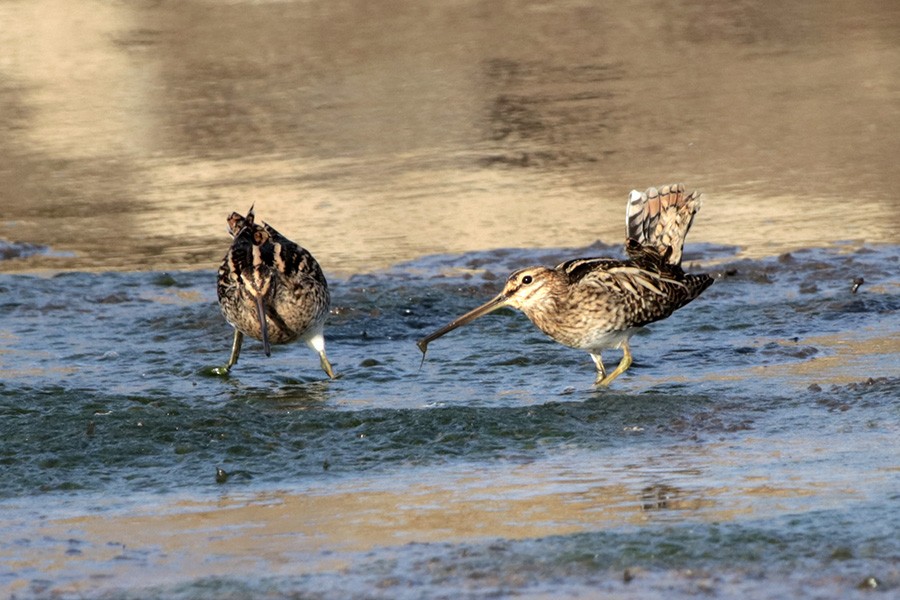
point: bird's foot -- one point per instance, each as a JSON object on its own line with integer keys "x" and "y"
{"x": 605, "y": 381}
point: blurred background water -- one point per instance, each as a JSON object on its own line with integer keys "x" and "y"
{"x": 422, "y": 151}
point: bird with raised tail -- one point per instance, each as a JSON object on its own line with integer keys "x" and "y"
{"x": 595, "y": 304}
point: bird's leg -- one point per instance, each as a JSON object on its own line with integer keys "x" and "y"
{"x": 235, "y": 349}
{"x": 235, "y": 353}
{"x": 623, "y": 366}
{"x": 317, "y": 343}
{"x": 326, "y": 366}
{"x": 601, "y": 370}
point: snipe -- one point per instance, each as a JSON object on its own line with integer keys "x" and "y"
{"x": 595, "y": 304}
{"x": 271, "y": 289}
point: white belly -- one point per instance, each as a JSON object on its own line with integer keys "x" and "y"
{"x": 599, "y": 341}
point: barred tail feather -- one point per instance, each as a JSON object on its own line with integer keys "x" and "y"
{"x": 660, "y": 219}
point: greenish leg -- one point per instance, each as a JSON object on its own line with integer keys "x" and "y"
{"x": 235, "y": 349}
{"x": 235, "y": 353}
{"x": 623, "y": 366}
{"x": 317, "y": 342}
{"x": 326, "y": 366}
{"x": 601, "y": 370}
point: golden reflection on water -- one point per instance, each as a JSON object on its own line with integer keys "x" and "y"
{"x": 326, "y": 526}
{"x": 131, "y": 130}
{"x": 839, "y": 360}
{"x": 294, "y": 533}
{"x": 846, "y": 361}
{"x": 290, "y": 533}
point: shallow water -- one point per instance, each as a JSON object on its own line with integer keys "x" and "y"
{"x": 745, "y": 451}
{"x": 422, "y": 153}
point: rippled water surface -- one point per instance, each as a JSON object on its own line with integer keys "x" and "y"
{"x": 422, "y": 152}
{"x": 753, "y": 443}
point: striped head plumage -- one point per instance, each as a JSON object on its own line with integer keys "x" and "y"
{"x": 271, "y": 289}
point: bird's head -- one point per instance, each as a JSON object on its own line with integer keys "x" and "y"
{"x": 524, "y": 289}
{"x": 527, "y": 287}
{"x": 237, "y": 222}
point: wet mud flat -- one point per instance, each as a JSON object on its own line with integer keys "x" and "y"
{"x": 750, "y": 450}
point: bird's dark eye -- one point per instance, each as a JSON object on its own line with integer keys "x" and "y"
{"x": 527, "y": 279}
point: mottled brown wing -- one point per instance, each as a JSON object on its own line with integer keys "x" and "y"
{"x": 617, "y": 277}
{"x": 646, "y": 292}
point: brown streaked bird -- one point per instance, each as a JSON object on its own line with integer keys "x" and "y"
{"x": 595, "y": 304}
{"x": 271, "y": 289}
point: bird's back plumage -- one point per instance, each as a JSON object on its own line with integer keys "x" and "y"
{"x": 645, "y": 288}
{"x": 271, "y": 288}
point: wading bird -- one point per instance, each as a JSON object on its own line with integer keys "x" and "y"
{"x": 595, "y": 304}
{"x": 271, "y": 289}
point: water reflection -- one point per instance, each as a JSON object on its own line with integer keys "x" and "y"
{"x": 381, "y": 132}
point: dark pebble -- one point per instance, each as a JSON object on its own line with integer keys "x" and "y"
{"x": 869, "y": 583}
{"x": 221, "y": 475}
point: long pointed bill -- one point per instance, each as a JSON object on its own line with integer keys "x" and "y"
{"x": 487, "y": 307}
{"x": 264, "y": 329}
